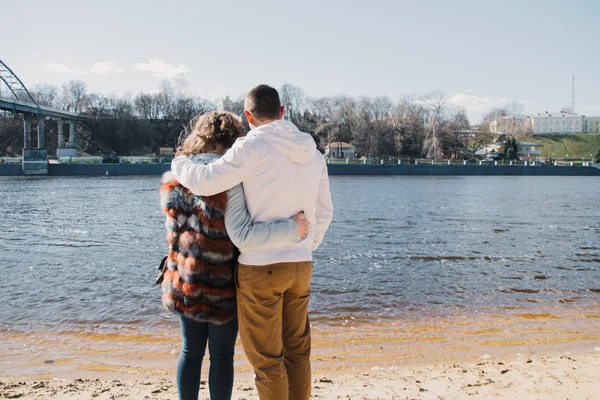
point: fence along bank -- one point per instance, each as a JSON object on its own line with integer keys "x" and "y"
{"x": 421, "y": 169}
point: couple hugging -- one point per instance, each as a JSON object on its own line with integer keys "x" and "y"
{"x": 243, "y": 217}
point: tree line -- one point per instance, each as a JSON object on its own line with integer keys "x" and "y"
{"x": 122, "y": 125}
{"x": 415, "y": 126}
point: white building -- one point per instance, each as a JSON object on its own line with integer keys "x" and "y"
{"x": 227, "y": 104}
{"x": 561, "y": 122}
{"x": 491, "y": 150}
{"x": 558, "y": 122}
{"x": 591, "y": 124}
{"x": 512, "y": 126}
{"x": 340, "y": 150}
{"x": 527, "y": 151}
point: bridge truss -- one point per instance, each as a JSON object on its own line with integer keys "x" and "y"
{"x": 14, "y": 84}
{"x": 24, "y": 103}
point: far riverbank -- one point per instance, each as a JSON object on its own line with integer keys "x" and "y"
{"x": 334, "y": 169}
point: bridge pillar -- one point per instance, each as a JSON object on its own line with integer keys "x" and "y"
{"x": 41, "y": 136}
{"x": 35, "y": 161}
{"x": 27, "y": 132}
{"x": 72, "y": 134}
{"x": 61, "y": 135}
{"x": 69, "y": 150}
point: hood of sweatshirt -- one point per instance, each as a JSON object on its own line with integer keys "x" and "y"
{"x": 282, "y": 135}
{"x": 204, "y": 158}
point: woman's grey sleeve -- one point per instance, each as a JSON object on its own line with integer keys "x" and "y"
{"x": 245, "y": 234}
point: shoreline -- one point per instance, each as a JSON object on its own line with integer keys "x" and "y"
{"x": 334, "y": 169}
{"x": 363, "y": 360}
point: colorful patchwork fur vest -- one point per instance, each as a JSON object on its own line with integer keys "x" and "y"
{"x": 201, "y": 262}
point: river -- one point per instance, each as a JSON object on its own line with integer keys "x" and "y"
{"x": 84, "y": 251}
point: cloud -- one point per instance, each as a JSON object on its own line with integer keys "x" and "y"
{"x": 106, "y": 67}
{"x": 55, "y": 67}
{"x": 525, "y": 102}
{"x": 159, "y": 69}
{"x": 474, "y": 103}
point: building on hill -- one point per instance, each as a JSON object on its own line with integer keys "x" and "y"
{"x": 558, "y": 122}
{"x": 561, "y": 122}
{"x": 591, "y": 125}
{"x": 227, "y": 104}
{"x": 340, "y": 150}
{"x": 512, "y": 125}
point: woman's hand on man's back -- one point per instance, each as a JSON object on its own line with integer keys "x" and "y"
{"x": 302, "y": 224}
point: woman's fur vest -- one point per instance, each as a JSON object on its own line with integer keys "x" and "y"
{"x": 198, "y": 283}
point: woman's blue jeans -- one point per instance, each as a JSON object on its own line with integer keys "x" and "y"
{"x": 221, "y": 344}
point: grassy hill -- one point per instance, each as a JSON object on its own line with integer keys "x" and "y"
{"x": 575, "y": 145}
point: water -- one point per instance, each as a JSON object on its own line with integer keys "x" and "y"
{"x": 84, "y": 251}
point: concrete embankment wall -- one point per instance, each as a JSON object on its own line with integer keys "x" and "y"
{"x": 11, "y": 169}
{"x": 107, "y": 169}
{"x": 91, "y": 169}
{"x": 472, "y": 170}
{"x": 417, "y": 170}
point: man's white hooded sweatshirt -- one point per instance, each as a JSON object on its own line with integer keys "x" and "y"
{"x": 283, "y": 173}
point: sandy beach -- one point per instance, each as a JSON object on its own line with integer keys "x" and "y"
{"x": 554, "y": 377}
{"x": 511, "y": 356}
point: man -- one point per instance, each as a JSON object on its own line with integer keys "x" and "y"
{"x": 283, "y": 173}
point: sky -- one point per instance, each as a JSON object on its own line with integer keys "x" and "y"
{"x": 480, "y": 53}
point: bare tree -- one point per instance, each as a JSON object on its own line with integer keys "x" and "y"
{"x": 166, "y": 97}
{"x": 514, "y": 112}
{"x": 364, "y": 136}
{"x": 382, "y": 140}
{"x": 432, "y": 146}
{"x": 147, "y": 105}
{"x": 334, "y": 118}
{"x": 122, "y": 108}
{"x": 181, "y": 84}
{"x": 45, "y": 95}
{"x": 493, "y": 114}
{"x": 98, "y": 106}
{"x": 482, "y": 138}
{"x": 409, "y": 129}
{"x": 344, "y": 118}
{"x": 293, "y": 100}
{"x": 73, "y": 96}
{"x": 321, "y": 111}
{"x": 458, "y": 123}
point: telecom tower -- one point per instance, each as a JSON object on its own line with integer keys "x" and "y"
{"x": 573, "y": 96}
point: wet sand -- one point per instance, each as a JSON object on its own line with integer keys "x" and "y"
{"x": 553, "y": 354}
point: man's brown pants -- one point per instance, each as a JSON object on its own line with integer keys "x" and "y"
{"x": 274, "y": 328}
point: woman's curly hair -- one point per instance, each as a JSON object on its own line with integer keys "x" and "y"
{"x": 210, "y": 129}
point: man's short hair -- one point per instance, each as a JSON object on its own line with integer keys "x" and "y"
{"x": 263, "y": 102}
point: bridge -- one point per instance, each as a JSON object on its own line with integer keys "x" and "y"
{"x": 35, "y": 160}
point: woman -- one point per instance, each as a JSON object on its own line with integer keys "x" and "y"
{"x": 202, "y": 233}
